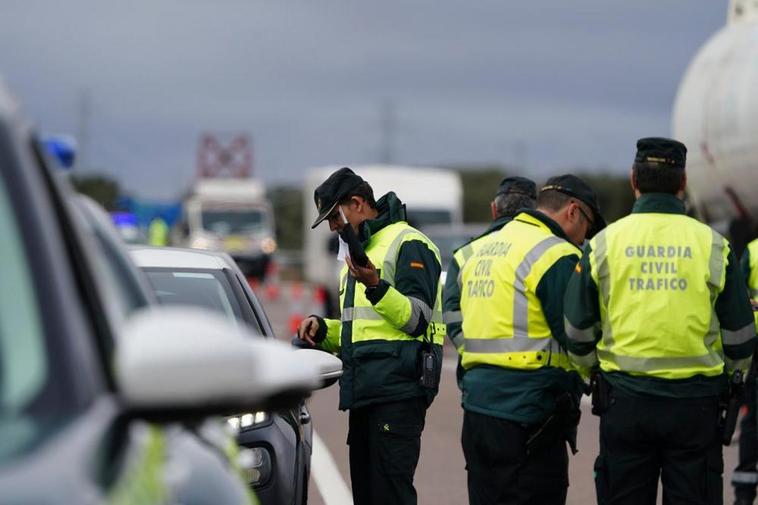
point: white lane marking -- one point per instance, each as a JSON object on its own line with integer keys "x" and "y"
{"x": 327, "y": 476}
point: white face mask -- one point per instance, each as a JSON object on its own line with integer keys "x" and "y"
{"x": 343, "y": 251}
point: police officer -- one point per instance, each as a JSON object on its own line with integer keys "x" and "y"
{"x": 513, "y": 194}
{"x": 745, "y": 477}
{"x": 520, "y": 393}
{"x": 650, "y": 299}
{"x": 391, "y": 324}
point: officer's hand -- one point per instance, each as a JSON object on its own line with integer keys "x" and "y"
{"x": 368, "y": 275}
{"x": 308, "y": 329}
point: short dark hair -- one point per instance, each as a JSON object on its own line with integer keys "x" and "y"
{"x": 553, "y": 200}
{"x": 364, "y": 191}
{"x": 657, "y": 178}
{"x": 508, "y": 204}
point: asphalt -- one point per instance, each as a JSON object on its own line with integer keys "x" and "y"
{"x": 440, "y": 476}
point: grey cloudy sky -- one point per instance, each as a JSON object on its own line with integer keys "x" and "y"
{"x": 555, "y": 83}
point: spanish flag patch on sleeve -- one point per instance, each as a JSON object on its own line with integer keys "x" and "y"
{"x": 417, "y": 264}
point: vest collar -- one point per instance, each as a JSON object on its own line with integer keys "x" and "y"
{"x": 659, "y": 203}
{"x": 537, "y": 218}
{"x": 391, "y": 210}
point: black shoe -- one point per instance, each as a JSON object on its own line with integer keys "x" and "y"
{"x": 743, "y": 501}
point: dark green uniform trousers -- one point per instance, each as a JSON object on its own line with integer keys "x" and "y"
{"x": 500, "y": 472}
{"x": 644, "y": 438}
{"x": 385, "y": 444}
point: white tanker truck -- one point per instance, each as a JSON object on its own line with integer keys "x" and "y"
{"x": 716, "y": 116}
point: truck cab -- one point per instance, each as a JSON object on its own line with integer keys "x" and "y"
{"x": 233, "y": 216}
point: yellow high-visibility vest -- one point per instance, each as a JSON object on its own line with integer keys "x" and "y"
{"x": 658, "y": 278}
{"x": 503, "y": 321}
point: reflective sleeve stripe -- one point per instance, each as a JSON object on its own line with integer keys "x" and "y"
{"x": 574, "y": 334}
{"x": 738, "y": 337}
{"x": 587, "y": 361}
{"x": 437, "y": 315}
{"x": 390, "y": 258}
{"x": 418, "y": 308}
{"x": 457, "y": 339}
{"x": 651, "y": 364}
{"x": 452, "y": 316}
{"x": 356, "y": 313}
{"x": 716, "y": 262}
{"x": 520, "y": 300}
{"x": 745, "y": 478}
{"x": 737, "y": 364}
{"x": 506, "y": 345}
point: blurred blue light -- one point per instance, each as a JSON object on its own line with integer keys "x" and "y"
{"x": 122, "y": 219}
{"x": 62, "y": 148}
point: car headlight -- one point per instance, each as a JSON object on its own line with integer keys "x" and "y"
{"x": 247, "y": 420}
{"x": 268, "y": 245}
{"x": 256, "y": 465}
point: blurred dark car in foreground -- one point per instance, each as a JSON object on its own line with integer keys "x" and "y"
{"x": 281, "y": 442}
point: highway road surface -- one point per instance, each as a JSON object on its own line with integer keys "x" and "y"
{"x": 441, "y": 476}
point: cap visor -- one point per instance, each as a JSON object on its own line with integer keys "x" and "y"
{"x": 323, "y": 216}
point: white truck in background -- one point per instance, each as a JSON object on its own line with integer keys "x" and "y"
{"x": 432, "y": 196}
{"x": 231, "y": 215}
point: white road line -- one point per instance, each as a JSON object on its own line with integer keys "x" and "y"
{"x": 327, "y": 476}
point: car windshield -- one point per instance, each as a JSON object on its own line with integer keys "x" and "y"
{"x": 202, "y": 288}
{"x": 25, "y": 373}
{"x": 232, "y": 221}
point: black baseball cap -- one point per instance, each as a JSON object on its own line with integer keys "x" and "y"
{"x": 575, "y": 187}
{"x": 666, "y": 153}
{"x": 332, "y": 191}
{"x": 517, "y": 184}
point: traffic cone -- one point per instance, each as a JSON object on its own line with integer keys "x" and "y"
{"x": 272, "y": 281}
{"x": 296, "y": 307}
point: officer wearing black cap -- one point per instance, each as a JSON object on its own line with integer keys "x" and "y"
{"x": 513, "y": 194}
{"x": 658, "y": 304}
{"x": 520, "y": 391}
{"x": 389, "y": 336}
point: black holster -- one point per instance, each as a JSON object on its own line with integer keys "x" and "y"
{"x": 730, "y": 407}
{"x": 601, "y": 393}
{"x": 561, "y": 424}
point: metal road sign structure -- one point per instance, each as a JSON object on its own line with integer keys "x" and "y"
{"x": 216, "y": 158}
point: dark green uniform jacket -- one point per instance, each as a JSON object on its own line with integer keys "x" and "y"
{"x": 528, "y": 396}
{"x": 583, "y": 311}
{"x": 378, "y": 371}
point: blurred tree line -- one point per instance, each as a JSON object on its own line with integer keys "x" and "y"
{"x": 480, "y": 183}
{"x": 103, "y": 189}
{"x": 479, "y": 187}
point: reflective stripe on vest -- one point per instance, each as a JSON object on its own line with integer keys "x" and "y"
{"x": 520, "y": 340}
{"x": 652, "y": 277}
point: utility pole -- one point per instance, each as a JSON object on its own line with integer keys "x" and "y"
{"x": 84, "y": 113}
{"x": 387, "y": 132}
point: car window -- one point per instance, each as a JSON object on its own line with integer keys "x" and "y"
{"x": 24, "y": 369}
{"x": 122, "y": 291}
{"x": 202, "y": 288}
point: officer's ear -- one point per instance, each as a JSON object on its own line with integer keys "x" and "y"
{"x": 493, "y": 210}
{"x": 633, "y": 179}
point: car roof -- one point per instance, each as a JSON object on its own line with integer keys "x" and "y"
{"x": 177, "y": 257}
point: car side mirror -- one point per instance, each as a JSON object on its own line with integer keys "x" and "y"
{"x": 175, "y": 362}
{"x": 328, "y": 365}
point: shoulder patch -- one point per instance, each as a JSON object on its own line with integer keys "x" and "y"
{"x": 578, "y": 268}
{"x": 417, "y": 264}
